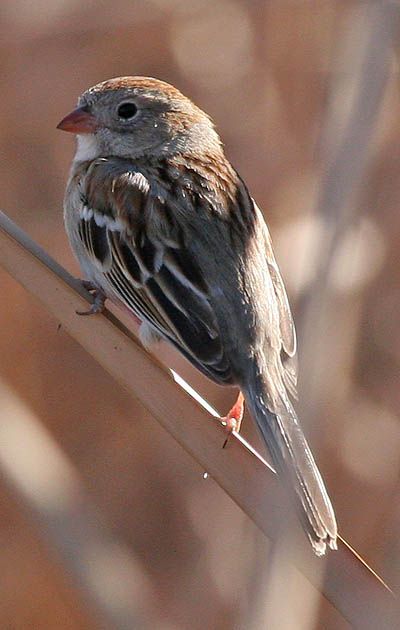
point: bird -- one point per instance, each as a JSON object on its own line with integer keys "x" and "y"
{"x": 162, "y": 224}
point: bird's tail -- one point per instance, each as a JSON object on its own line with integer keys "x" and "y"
{"x": 294, "y": 463}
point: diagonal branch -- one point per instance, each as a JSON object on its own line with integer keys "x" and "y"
{"x": 352, "y": 587}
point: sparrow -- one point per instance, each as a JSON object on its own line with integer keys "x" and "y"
{"x": 162, "y": 224}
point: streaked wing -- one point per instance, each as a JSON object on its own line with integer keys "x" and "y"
{"x": 149, "y": 270}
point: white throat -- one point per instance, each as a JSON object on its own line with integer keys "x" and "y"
{"x": 87, "y": 147}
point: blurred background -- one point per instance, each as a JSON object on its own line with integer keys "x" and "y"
{"x": 306, "y": 97}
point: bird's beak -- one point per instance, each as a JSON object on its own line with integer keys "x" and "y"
{"x": 79, "y": 121}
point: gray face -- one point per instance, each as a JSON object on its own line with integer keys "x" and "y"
{"x": 134, "y": 121}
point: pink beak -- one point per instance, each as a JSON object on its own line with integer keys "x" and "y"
{"x": 79, "y": 121}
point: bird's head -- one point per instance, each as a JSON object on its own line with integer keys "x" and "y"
{"x": 132, "y": 117}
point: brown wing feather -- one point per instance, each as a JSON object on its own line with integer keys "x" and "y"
{"x": 149, "y": 275}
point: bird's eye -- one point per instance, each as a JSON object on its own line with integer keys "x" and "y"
{"x": 127, "y": 110}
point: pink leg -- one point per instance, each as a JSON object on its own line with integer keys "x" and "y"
{"x": 233, "y": 420}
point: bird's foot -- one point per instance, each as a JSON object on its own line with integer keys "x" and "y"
{"x": 233, "y": 420}
{"x": 99, "y": 299}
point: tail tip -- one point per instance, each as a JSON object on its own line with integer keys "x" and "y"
{"x": 320, "y": 545}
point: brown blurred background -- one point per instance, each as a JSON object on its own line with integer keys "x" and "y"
{"x": 173, "y": 551}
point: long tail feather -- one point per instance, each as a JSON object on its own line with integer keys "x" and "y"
{"x": 295, "y": 464}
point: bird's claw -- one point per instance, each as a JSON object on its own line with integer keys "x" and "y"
{"x": 99, "y": 299}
